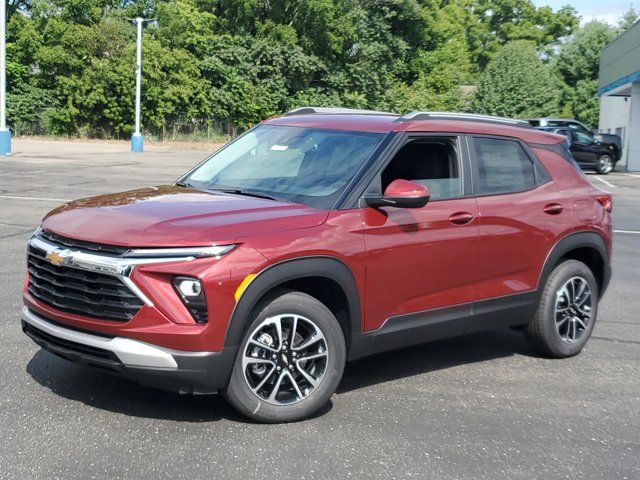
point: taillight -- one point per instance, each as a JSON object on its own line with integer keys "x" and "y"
{"x": 606, "y": 201}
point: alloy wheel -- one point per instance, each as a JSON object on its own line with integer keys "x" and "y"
{"x": 573, "y": 309}
{"x": 606, "y": 164}
{"x": 285, "y": 359}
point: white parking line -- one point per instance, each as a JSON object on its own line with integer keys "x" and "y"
{"x": 632, "y": 232}
{"x": 632, "y": 175}
{"x": 37, "y": 199}
{"x": 608, "y": 184}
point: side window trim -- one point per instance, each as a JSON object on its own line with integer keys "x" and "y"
{"x": 540, "y": 174}
{"x": 560, "y": 149}
{"x": 375, "y": 184}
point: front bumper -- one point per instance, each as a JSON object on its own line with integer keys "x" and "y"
{"x": 180, "y": 371}
{"x": 66, "y": 278}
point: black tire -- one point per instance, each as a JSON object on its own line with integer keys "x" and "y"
{"x": 606, "y": 164}
{"x": 545, "y": 332}
{"x": 288, "y": 304}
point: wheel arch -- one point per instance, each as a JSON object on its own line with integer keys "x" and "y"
{"x": 326, "y": 278}
{"x": 587, "y": 247}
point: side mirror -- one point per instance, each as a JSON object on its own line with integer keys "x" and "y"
{"x": 401, "y": 194}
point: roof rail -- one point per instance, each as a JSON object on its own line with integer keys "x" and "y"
{"x": 412, "y": 116}
{"x": 333, "y": 111}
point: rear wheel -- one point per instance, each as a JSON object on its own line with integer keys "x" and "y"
{"x": 605, "y": 164}
{"x": 290, "y": 361}
{"x": 567, "y": 311}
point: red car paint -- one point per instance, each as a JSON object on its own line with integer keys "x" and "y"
{"x": 451, "y": 252}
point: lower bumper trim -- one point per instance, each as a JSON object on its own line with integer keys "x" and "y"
{"x": 178, "y": 371}
{"x": 129, "y": 352}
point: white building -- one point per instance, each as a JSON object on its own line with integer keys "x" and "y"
{"x": 619, "y": 89}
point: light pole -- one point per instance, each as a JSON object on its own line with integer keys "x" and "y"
{"x": 136, "y": 138}
{"x": 5, "y": 133}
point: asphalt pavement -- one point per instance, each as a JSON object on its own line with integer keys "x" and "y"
{"x": 483, "y": 406}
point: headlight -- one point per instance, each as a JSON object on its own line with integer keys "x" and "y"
{"x": 196, "y": 252}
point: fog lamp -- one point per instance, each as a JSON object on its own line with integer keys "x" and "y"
{"x": 189, "y": 287}
{"x": 192, "y": 295}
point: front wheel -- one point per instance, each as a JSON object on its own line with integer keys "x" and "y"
{"x": 605, "y": 165}
{"x": 290, "y": 361}
{"x": 567, "y": 311}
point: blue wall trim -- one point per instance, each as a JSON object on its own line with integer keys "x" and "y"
{"x": 634, "y": 77}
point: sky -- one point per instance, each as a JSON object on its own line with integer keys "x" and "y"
{"x": 606, "y": 10}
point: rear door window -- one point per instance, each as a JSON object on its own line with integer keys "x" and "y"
{"x": 578, "y": 128}
{"x": 580, "y": 137}
{"x": 502, "y": 166}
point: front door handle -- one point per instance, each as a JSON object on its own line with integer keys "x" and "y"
{"x": 460, "y": 218}
{"x": 553, "y": 209}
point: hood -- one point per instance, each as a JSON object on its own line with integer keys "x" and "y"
{"x": 171, "y": 216}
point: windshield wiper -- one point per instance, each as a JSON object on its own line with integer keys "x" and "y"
{"x": 245, "y": 191}
{"x": 183, "y": 184}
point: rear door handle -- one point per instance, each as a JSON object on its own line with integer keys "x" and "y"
{"x": 460, "y": 218}
{"x": 553, "y": 209}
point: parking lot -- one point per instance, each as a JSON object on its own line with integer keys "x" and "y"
{"x": 479, "y": 406}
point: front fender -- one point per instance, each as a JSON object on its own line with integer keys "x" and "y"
{"x": 285, "y": 271}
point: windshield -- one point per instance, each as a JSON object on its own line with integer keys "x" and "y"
{"x": 303, "y": 165}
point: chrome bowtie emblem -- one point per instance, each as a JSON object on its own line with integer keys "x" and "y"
{"x": 60, "y": 257}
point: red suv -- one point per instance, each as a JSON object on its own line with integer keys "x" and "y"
{"x": 322, "y": 236}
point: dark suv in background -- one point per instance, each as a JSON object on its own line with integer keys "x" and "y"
{"x": 589, "y": 153}
{"x": 614, "y": 142}
{"x": 318, "y": 237}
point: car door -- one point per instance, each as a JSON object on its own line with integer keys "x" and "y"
{"x": 584, "y": 148}
{"x": 515, "y": 203}
{"x": 422, "y": 260}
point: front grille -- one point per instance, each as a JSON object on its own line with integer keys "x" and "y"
{"x": 60, "y": 241}
{"x": 82, "y": 292}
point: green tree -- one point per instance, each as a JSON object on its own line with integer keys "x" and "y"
{"x": 517, "y": 83}
{"x": 578, "y": 64}
{"x": 227, "y": 64}
{"x": 628, "y": 19}
{"x": 584, "y": 103}
{"x": 439, "y": 73}
{"x": 491, "y": 24}
{"x": 579, "y": 57}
